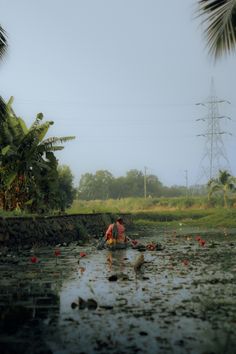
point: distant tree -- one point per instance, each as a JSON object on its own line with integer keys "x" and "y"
{"x": 96, "y": 186}
{"x": 224, "y": 183}
{"x": 154, "y": 186}
{"x": 134, "y": 180}
{"x": 66, "y": 190}
{"x": 220, "y": 16}
{"x": 102, "y": 185}
{"x": 119, "y": 188}
{"x": 173, "y": 191}
{"x": 86, "y": 190}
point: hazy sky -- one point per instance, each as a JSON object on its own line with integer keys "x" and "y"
{"x": 121, "y": 75}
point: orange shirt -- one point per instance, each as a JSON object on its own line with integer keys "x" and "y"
{"x": 121, "y": 232}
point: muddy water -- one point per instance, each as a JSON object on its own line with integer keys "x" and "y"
{"x": 181, "y": 301}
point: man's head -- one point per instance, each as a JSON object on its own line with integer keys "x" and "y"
{"x": 120, "y": 220}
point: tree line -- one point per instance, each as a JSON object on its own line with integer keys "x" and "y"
{"x": 103, "y": 185}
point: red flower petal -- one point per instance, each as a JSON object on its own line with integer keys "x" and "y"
{"x": 83, "y": 254}
{"x": 134, "y": 242}
{"x": 185, "y": 262}
{"x": 57, "y": 252}
{"x": 202, "y": 243}
{"x": 34, "y": 259}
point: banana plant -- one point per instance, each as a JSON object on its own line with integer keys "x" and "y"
{"x": 24, "y": 155}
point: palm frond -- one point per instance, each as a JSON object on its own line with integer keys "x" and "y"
{"x": 220, "y": 19}
{"x": 37, "y": 121}
{"x": 3, "y": 109}
{"x": 60, "y": 140}
{"x": 48, "y": 147}
{"x": 22, "y": 125}
{"x": 42, "y": 130}
{"x": 3, "y": 42}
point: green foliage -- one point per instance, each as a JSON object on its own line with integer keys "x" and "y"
{"x": 224, "y": 183}
{"x": 82, "y": 231}
{"x": 103, "y": 185}
{"x": 126, "y": 205}
{"x": 97, "y": 186}
{"x": 28, "y": 168}
{"x": 203, "y": 219}
{"x": 67, "y": 192}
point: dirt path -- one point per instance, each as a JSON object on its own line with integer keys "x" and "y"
{"x": 181, "y": 301}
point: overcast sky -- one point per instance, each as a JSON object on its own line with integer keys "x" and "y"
{"x": 124, "y": 76}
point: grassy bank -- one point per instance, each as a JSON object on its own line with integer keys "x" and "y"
{"x": 204, "y": 219}
{"x": 194, "y": 212}
{"x": 168, "y": 212}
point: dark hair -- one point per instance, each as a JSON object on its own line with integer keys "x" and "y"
{"x": 120, "y": 220}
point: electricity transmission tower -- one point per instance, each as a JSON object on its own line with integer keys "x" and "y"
{"x": 214, "y": 157}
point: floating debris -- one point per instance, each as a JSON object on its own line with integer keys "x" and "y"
{"x": 138, "y": 262}
{"x": 81, "y": 303}
{"x": 113, "y": 277}
{"x": 92, "y": 304}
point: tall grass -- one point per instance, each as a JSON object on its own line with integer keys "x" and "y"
{"x": 150, "y": 204}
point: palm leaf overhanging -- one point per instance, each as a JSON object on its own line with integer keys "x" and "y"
{"x": 2, "y": 110}
{"x": 3, "y": 47}
{"x": 220, "y": 20}
{"x": 3, "y": 42}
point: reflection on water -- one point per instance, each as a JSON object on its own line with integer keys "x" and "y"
{"x": 116, "y": 260}
{"x": 91, "y": 279}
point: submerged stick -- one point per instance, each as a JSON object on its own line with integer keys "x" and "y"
{"x": 138, "y": 262}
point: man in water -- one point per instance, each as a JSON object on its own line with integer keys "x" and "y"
{"x": 115, "y": 233}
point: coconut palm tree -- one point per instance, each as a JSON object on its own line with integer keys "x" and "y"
{"x": 225, "y": 183}
{"x": 220, "y": 19}
{"x": 3, "y": 42}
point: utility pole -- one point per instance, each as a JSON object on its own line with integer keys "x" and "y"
{"x": 186, "y": 182}
{"x": 215, "y": 157}
{"x": 145, "y": 182}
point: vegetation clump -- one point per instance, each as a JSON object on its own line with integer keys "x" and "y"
{"x": 30, "y": 178}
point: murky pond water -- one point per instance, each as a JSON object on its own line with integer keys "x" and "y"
{"x": 183, "y": 300}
